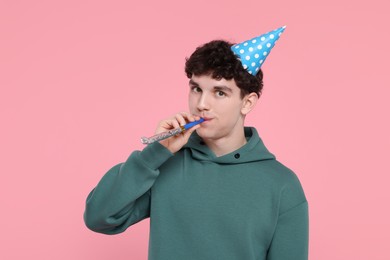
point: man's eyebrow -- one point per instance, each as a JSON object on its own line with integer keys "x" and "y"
{"x": 193, "y": 83}
{"x": 223, "y": 88}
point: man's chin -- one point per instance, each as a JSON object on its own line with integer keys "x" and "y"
{"x": 204, "y": 133}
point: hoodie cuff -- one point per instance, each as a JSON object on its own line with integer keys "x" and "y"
{"x": 154, "y": 155}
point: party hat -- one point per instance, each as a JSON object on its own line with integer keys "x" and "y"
{"x": 253, "y": 52}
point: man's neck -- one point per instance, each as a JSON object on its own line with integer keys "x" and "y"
{"x": 227, "y": 144}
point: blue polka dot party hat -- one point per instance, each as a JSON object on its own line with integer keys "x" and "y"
{"x": 253, "y": 52}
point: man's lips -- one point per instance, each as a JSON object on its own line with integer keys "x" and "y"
{"x": 206, "y": 118}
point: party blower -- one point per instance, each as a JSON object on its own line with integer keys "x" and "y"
{"x": 165, "y": 135}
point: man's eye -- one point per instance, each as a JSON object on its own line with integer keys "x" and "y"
{"x": 220, "y": 93}
{"x": 196, "y": 89}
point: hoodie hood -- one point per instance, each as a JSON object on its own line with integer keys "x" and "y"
{"x": 254, "y": 150}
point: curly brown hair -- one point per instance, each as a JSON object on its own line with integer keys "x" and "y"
{"x": 216, "y": 58}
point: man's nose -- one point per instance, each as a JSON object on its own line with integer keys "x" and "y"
{"x": 203, "y": 102}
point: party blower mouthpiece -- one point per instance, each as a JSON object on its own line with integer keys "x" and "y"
{"x": 165, "y": 135}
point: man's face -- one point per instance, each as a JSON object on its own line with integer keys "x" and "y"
{"x": 219, "y": 103}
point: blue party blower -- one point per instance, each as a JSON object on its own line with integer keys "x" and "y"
{"x": 165, "y": 135}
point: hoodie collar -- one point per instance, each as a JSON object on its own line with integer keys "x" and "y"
{"x": 253, "y": 150}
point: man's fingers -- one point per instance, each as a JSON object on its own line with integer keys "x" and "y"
{"x": 177, "y": 120}
{"x": 180, "y": 119}
{"x": 168, "y": 124}
{"x": 190, "y": 117}
{"x": 187, "y": 116}
{"x": 175, "y": 124}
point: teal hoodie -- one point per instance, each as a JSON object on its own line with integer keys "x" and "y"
{"x": 244, "y": 205}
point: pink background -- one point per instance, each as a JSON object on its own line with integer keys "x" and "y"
{"x": 81, "y": 81}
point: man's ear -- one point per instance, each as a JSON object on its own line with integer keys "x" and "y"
{"x": 249, "y": 103}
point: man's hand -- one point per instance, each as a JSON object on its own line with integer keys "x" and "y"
{"x": 175, "y": 143}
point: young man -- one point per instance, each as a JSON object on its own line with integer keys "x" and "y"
{"x": 215, "y": 191}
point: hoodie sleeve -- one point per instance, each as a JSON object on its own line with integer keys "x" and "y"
{"x": 290, "y": 239}
{"x": 122, "y": 196}
{"x": 291, "y": 236}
